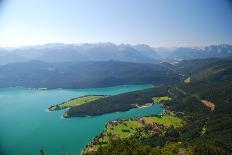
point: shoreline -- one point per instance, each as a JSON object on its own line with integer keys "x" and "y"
{"x": 133, "y": 108}
{"x": 120, "y": 119}
{"x": 59, "y": 88}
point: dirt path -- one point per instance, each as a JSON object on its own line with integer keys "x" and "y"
{"x": 209, "y": 104}
{"x": 181, "y": 91}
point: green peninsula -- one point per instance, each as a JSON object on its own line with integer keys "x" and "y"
{"x": 76, "y": 102}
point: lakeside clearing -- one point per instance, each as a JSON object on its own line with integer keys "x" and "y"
{"x": 188, "y": 80}
{"x": 161, "y": 99}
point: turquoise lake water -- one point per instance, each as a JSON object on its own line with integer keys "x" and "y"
{"x": 26, "y": 127}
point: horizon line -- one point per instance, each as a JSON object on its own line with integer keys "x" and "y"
{"x": 108, "y": 42}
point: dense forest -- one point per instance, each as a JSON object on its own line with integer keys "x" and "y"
{"x": 220, "y": 72}
{"x": 121, "y": 102}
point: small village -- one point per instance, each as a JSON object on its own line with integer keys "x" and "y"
{"x": 138, "y": 127}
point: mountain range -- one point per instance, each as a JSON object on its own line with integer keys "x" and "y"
{"x": 140, "y": 53}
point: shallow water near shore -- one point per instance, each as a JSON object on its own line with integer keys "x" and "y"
{"x": 26, "y": 126}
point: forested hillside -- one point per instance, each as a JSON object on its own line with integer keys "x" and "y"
{"x": 121, "y": 102}
{"x": 39, "y": 74}
{"x": 206, "y": 131}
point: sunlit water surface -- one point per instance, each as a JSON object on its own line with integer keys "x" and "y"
{"x": 26, "y": 127}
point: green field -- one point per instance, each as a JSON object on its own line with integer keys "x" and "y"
{"x": 128, "y": 128}
{"x": 165, "y": 120}
{"x": 132, "y": 125}
{"x": 161, "y": 99}
{"x": 188, "y": 80}
{"x": 129, "y": 125}
{"x": 75, "y": 102}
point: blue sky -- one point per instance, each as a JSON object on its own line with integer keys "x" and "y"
{"x": 158, "y": 23}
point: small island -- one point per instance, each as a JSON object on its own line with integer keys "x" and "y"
{"x": 76, "y": 102}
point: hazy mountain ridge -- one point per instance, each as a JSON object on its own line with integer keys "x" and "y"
{"x": 219, "y": 70}
{"x": 213, "y": 51}
{"x": 84, "y": 74}
{"x": 85, "y": 52}
{"x": 11, "y": 58}
{"x": 108, "y": 51}
{"x": 110, "y": 73}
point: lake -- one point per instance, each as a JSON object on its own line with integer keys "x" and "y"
{"x": 26, "y": 127}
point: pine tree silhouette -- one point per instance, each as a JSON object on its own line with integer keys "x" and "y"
{"x": 41, "y": 152}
